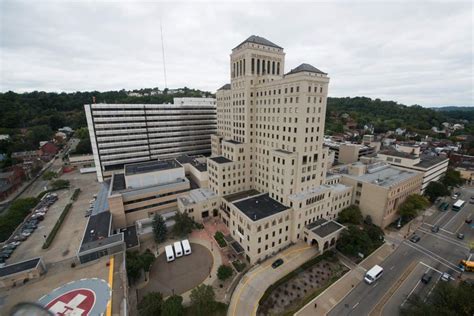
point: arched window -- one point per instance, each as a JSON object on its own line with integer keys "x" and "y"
{"x": 273, "y": 68}
{"x": 278, "y": 68}
{"x": 263, "y": 67}
{"x": 253, "y": 66}
{"x": 244, "y": 67}
{"x": 268, "y": 67}
{"x": 258, "y": 66}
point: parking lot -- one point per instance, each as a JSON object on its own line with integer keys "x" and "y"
{"x": 181, "y": 275}
{"x": 68, "y": 238}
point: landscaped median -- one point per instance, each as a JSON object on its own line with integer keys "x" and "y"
{"x": 219, "y": 237}
{"x": 297, "y": 288}
{"x": 57, "y": 226}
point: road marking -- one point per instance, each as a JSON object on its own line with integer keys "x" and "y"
{"x": 412, "y": 290}
{"x": 462, "y": 223}
{"x": 430, "y": 267}
{"x": 111, "y": 284}
{"x": 375, "y": 285}
{"x": 458, "y": 212}
{"x": 353, "y": 307}
{"x": 429, "y": 292}
{"x": 391, "y": 268}
{"x": 433, "y": 256}
{"x": 439, "y": 219}
{"x": 447, "y": 239}
{"x": 393, "y": 289}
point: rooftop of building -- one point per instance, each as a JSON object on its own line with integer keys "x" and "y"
{"x": 260, "y": 206}
{"x": 427, "y": 161}
{"x": 305, "y": 68}
{"x": 130, "y": 236}
{"x": 220, "y": 159}
{"x": 150, "y": 166}
{"x": 400, "y": 154}
{"x": 310, "y": 192}
{"x": 19, "y": 267}
{"x": 258, "y": 40}
{"x": 232, "y": 141}
{"x": 118, "y": 182}
{"x": 323, "y": 227}
{"x": 240, "y": 195}
{"x": 384, "y": 175}
{"x": 225, "y": 87}
{"x": 197, "y": 196}
{"x": 98, "y": 227}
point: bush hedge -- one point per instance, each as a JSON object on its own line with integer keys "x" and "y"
{"x": 75, "y": 194}
{"x": 56, "y": 227}
{"x": 219, "y": 237}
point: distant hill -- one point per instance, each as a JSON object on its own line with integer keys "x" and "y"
{"x": 454, "y": 108}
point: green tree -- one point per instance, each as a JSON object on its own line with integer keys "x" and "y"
{"x": 134, "y": 266}
{"x": 183, "y": 224}
{"x": 147, "y": 259}
{"x": 203, "y": 301}
{"x": 435, "y": 189}
{"x": 173, "y": 306}
{"x": 49, "y": 175}
{"x": 354, "y": 240}
{"x": 412, "y": 205}
{"x": 82, "y": 133}
{"x": 224, "y": 272}
{"x": 446, "y": 299}
{"x": 159, "y": 228}
{"x": 151, "y": 304}
{"x": 59, "y": 184}
{"x": 351, "y": 214}
{"x": 84, "y": 147}
{"x": 452, "y": 178}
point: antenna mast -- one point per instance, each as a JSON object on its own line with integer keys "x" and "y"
{"x": 163, "y": 52}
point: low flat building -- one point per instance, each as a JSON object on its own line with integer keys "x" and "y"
{"x": 433, "y": 167}
{"x": 81, "y": 161}
{"x": 199, "y": 204}
{"x": 18, "y": 273}
{"x": 345, "y": 152}
{"x": 379, "y": 188}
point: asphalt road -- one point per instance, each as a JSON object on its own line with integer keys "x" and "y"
{"x": 435, "y": 253}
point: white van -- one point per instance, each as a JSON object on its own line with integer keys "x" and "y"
{"x": 186, "y": 247}
{"x": 178, "y": 250}
{"x": 373, "y": 274}
{"x": 169, "y": 253}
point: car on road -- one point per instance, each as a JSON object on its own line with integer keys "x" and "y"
{"x": 468, "y": 220}
{"x": 426, "y": 278}
{"x": 415, "y": 238}
{"x": 471, "y": 200}
{"x": 443, "y": 206}
{"x": 455, "y": 196}
{"x": 445, "y": 277}
{"x": 277, "y": 263}
{"x": 435, "y": 228}
{"x": 460, "y": 236}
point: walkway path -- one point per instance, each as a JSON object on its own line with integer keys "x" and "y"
{"x": 251, "y": 287}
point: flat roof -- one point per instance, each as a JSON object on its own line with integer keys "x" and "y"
{"x": 102, "y": 202}
{"x": 130, "y": 236}
{"x": 19, "y": 267}
{"x": 323, "y": 227}
{"x": 118, "y": 183}
{"x": 197, "y": 195}
{"x": 220, "y": 159}
{"x": 429, "y": 161}
{"x": 386, "y": 176}
{"x": 240, "y": 195}
{"x": 260, "y": 206}
{"x": 233, "y": 141}
{"x": 391, "y": 152}
{"x": 150, "y": 166}
{"x": 97, "y": 227}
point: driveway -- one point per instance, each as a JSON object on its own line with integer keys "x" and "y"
{"x": 251, "y": 287}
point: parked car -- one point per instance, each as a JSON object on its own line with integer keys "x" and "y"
{"x": 471, "y": 200}
{"x": 26, "y": 232}
{"x": 468, "y": 220}
{"x": 435, "y": 228}
{"x": 19, "y": 238}
{"x": 426, "y": 278}
{"x": 7, "y": 251}
{"x": 455, "y": 196}
{"x": 445, "y": 277}
{"x": 277, "y": 263}
{"x": 4, "y": 255}
{"x": 16, "y": 243}
{"x": 460, "y": 236}
{"x": 415, "y": 238}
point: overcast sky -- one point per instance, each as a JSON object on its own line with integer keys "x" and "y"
{"x": 412, "y": 53}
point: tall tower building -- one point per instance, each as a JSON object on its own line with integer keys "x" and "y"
{"x": 272, "y": 122}
{"x": 268, "y": 162}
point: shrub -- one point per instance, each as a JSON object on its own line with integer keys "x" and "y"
{"x": 75, "y": 194}
{"x": 239, "y": 266}
{"x": 224, "y": 272}
{"x": 57, "y": 226}
{"x": 219, "y": 237}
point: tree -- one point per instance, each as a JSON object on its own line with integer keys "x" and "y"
{"x": 59, "y": 184}
{"x": 350, "y": 215}
{"x": 203, "y": 300}
{"x": 173, "y": 306}
{"x": 183, "y": 224}
{"x": 49, "y": 175}
{"x": 84, "y": 147}
{"x": 446, "y": 299}
{"x": 137, "y": 262}
{"x": 452, "y": 178}
{"x": 151, "y": 304}
{"x": 159, "y": 228}
{"x": 412, "y": 205}
{"x": 354, "y": 240}
{"x": 147, "y": 259}
{"x": 435, "y": 189}
{"x": 224, "y": 272}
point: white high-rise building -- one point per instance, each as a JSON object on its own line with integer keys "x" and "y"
{"x": 128, "y": 133}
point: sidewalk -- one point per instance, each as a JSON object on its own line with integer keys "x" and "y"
{"x": 342, "y": 287}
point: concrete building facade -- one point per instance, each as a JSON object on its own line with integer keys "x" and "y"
{"x": 128, "y": 133}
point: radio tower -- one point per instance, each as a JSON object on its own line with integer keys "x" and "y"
{"x": 163, "y": 52}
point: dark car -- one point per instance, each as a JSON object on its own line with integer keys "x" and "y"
{"x": 468, "y": 220}
{"x": 435, "y": 229}
{"x": 415, "y": 238}
{"x": 460, "y": 236}
{"x": 277, "y": 263}
{"x": 426, "y": 278}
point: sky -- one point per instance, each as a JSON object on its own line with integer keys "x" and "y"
{"x": 412, "y": 52}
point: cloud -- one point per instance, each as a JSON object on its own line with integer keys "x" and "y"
{"x": 410, "y": 52}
